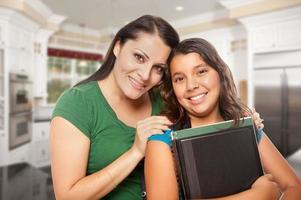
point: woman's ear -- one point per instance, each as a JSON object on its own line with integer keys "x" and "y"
{"x": 116, "y": 49}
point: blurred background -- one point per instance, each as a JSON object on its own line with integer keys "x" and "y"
{"x": 47, "y": 46}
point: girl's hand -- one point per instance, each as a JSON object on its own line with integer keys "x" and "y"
{"x": 267, "y": 187}
{"x": 257, "y": 120}
{"x": 147, "y": 127}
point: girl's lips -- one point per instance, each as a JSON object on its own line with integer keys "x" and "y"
{"x": 136, "y": 84}
{"x": 198, "y": 98}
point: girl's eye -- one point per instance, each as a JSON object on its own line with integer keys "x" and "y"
{"x": 139, "y": 58}
{"x": 201, "y": 71}
{"x": 178, "y": 79}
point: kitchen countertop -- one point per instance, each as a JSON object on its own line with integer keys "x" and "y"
{"x": 23, "y": 181}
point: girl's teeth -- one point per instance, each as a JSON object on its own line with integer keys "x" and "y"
{"x": 197, "y": 97}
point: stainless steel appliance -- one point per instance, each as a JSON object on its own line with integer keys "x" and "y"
{"x": 20, "y": 129}
{"x": 20, "y": 93}
{"x": 278, "y": 100}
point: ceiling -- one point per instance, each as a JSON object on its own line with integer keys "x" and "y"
{"x": 105, "y": 14}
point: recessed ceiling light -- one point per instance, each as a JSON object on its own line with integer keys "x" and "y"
{"x": 179, "y": 8}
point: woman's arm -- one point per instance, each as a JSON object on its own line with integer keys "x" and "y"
{"x": 275, "y": 164}
{"x": 69, "y": 157}
{"x": 160, "y": 176}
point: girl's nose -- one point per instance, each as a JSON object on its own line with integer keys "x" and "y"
{"x": 192, "y": 84}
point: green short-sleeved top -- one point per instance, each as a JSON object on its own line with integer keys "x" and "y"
{"x": 87, "y": 109}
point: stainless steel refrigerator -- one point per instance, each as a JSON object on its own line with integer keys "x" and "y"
{"x": 278, "y": 100}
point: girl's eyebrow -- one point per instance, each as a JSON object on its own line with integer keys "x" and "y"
{"x": 195, "y": 67}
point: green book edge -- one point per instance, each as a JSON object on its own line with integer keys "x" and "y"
{"x": 211, "y": 128}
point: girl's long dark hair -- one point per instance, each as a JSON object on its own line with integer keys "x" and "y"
{"x": 230, "y": 106}
{"x": 147, "y": 24}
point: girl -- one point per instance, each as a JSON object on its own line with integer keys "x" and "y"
{"x": 200, "y": 90}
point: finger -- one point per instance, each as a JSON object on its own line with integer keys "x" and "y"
{"x": 156, "y": 119}
{"x": 154, "y": 124}
{"x": 153, "y": 132}
{"x": 156, "y": 127}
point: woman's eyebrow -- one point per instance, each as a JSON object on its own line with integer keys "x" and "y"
{"x": 142, "y": 52}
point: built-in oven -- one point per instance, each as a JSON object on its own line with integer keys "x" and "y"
{"x": 20, "y": 93}
{"x": 20, "y": 129}
{"x": 20, "y": 109}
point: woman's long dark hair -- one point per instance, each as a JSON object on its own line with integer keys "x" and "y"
{"x": 230, "y": 106}
{"x": 147, "y": 24}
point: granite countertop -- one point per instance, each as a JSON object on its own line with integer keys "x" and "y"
{"x": 23, "y": 181}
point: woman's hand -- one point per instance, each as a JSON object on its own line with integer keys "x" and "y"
{"x": 257, "y": 120}
{"x": 147, "y": 127}
{"x": 267, "y": 187}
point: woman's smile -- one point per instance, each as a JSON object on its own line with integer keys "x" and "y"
{"x": 136, "y": 84}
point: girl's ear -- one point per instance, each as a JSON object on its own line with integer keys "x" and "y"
{"x": 116, "y": 49}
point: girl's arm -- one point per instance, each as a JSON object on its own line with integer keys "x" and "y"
{"x": 69, "y": 158}
{"x": 160, "y": 176}
{"x": 161, "y": 181}
{"x": 275, "y": 164}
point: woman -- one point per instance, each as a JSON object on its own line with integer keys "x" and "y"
{"x": 200, "y": 90}
{"x": 100, "y": 127}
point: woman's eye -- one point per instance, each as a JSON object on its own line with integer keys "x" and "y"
{"x": 139, "y": 58}
{"x": 159, "y": 69}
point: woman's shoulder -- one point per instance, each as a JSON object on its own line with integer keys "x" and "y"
{"x": 79, "y": 91}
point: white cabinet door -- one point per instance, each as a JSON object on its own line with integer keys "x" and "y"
{"x": 40, "y": 131}
{"x": 40, "y": 144}
{"x": 289, "y": 34}
{"x": 277, "y": 37}
{"x": 41, "y": 149}
{"x": 264, "y": 38}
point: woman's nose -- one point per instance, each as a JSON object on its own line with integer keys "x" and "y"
{"x": 145, "y": 72}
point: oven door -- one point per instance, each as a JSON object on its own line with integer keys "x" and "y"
{"x": 20, "y": 129}
{"x": 20, "y": 94}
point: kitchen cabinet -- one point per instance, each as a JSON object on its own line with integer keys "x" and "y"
{"x": 40, "y": 144}
{"x": 281, "y": 36}
{"x": 278, "y": 37}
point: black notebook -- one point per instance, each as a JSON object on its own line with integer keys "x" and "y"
{"x": 217, "y": 159}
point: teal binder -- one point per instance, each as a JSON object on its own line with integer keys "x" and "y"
{"x": 217, "y": 159}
